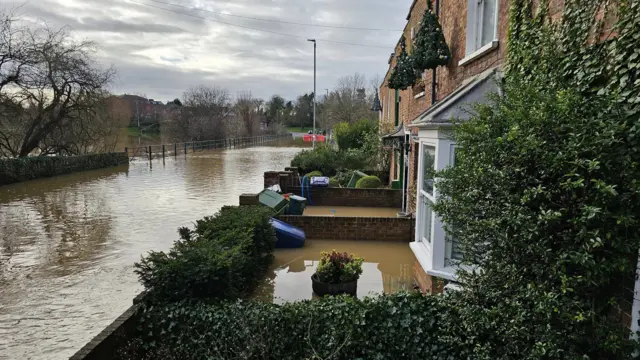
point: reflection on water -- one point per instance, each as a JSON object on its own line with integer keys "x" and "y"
{"x": 387, "y": 269}
{"x": 68, "y": 244}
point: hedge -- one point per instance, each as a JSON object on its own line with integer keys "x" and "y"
{"x": 223, "y": 257}
{"x": 35, "y": 167}
{"x": 400, "y": 326}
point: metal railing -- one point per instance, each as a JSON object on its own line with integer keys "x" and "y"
{"x": 165, "y": 150}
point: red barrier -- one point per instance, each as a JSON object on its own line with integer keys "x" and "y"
{"x": 309, "y": 138}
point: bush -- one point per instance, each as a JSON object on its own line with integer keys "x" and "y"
{"x": 322, "y": 158}
{"x": 334, "y": 182}
{"x": 223, "y": 257}
{"x": 343, "y": 177}
{"x": 352, "y": 136}
{"x": 543, "y": 196}
{"x": 401, "y": 326}
{"x": 338, "y": 268}
{"x": 313, "y": 174}
{"x": 369, "y": 182}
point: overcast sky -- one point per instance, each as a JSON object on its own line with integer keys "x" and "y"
{"x": 161, "y": 53}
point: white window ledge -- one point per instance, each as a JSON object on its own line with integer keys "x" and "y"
{"x": 447, "y": 273}
{"x": 422, "y": 255}
{"x": 479, "y": 53}
{"x": 421, "y": 94}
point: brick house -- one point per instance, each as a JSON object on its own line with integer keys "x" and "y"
{"x": 476, "y": 32}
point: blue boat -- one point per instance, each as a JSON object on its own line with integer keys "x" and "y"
{"x": 288, "y": 237}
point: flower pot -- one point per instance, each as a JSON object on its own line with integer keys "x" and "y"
{"x": 322, "y": 289}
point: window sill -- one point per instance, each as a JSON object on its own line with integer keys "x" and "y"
{"x": 479, "y": 53}
{"x": 419, "y": 95}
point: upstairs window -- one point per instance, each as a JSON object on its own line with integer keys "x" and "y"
{"x": 482, "y": 25}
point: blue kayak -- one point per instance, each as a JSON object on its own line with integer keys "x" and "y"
{"x": 288, "y": 237}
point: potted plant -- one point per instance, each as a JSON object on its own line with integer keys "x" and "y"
{"x": 337, "y": 273}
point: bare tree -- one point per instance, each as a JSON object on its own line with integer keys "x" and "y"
{"x": 203, "y": 115}
{"x": 248, "y": 110}
{"x": 50, "y": 91}
{"x": 349, "y": 102}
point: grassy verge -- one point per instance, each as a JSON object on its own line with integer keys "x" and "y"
{"x": 299, "y": 129}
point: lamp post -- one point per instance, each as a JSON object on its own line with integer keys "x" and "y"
{"x": 314, "y": 91}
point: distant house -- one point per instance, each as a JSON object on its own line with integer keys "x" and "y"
{"x": 146, "y": 112}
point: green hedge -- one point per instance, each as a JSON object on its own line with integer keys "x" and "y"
{"x": 223, "y": 257}
{"x": 401, "y": 326}
{"x": 313, "y": 174}
{"x": 34, "y": 167}
{"x": 329, "y": 161}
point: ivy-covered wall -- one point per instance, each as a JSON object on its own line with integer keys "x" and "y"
{"x": 29, "y": 168}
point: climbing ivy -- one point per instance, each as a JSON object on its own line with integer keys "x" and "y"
{"x": 402, "y": 75}
{"x": 544, "y": 195}
{"x": 593, "y": 48}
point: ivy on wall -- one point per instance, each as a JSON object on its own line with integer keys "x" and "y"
{"x": 594, "y": 48}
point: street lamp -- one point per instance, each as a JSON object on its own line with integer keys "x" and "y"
{"x": 314, "y": 91}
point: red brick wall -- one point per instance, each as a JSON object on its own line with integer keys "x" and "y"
{"x": 353, "y": 228}
{"x": 453, "y": 18}
{"x": 427, "y": 283}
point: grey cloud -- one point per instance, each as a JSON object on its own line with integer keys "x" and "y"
{"x": 174, "y": 52}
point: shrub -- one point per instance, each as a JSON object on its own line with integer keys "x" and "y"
{"x": 338, "y": 268}
{"x": 343, "y": 177}
{"x": 543, "y": 198}
{"x": 369, "y": 182}
{"x": 401, "y": 326}
{"x": 313, "y": 174}
{"x": 322, "y": 158}
{"x": 223, "y": 257}
{"x": 334, "y": 182}
{"x": 352, "y": 136}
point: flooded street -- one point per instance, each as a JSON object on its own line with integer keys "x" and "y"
{"x": 387, "y": 269}
{"x": 68, "y": 244}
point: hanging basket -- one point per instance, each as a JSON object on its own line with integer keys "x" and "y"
{"x": 430, "y": 47}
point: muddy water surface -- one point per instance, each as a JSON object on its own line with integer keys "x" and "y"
{"x": 68, "y": 244}
{"x": 387, "y": 269}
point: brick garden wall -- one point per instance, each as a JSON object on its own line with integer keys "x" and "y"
{"x": 105, "y": 345}
{"x": 354, "y": 228}
{"x": 353, "y": 197}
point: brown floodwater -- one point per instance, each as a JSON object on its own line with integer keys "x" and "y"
{"x": 387, "y": 269}
{"x": 68, "y": 244}
{"x": 347, "y": 211}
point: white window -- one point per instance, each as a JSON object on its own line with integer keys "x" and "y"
{"x": 425, "y": 195}
{"x": 413, "y": 33}
{"x": 482, "y": 25}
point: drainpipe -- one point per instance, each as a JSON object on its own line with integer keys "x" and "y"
{"x": 433, "y": 83}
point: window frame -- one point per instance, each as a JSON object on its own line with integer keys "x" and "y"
{"x": 424, "y": 195}
{"x": 474, "y": 47}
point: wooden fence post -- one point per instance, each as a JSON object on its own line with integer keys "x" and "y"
{"x": 150, "y": 157}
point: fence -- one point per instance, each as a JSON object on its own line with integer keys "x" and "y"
{"x": 175, "y": 149}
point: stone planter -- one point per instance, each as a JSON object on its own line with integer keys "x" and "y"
{"x": 322, "y": 289}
